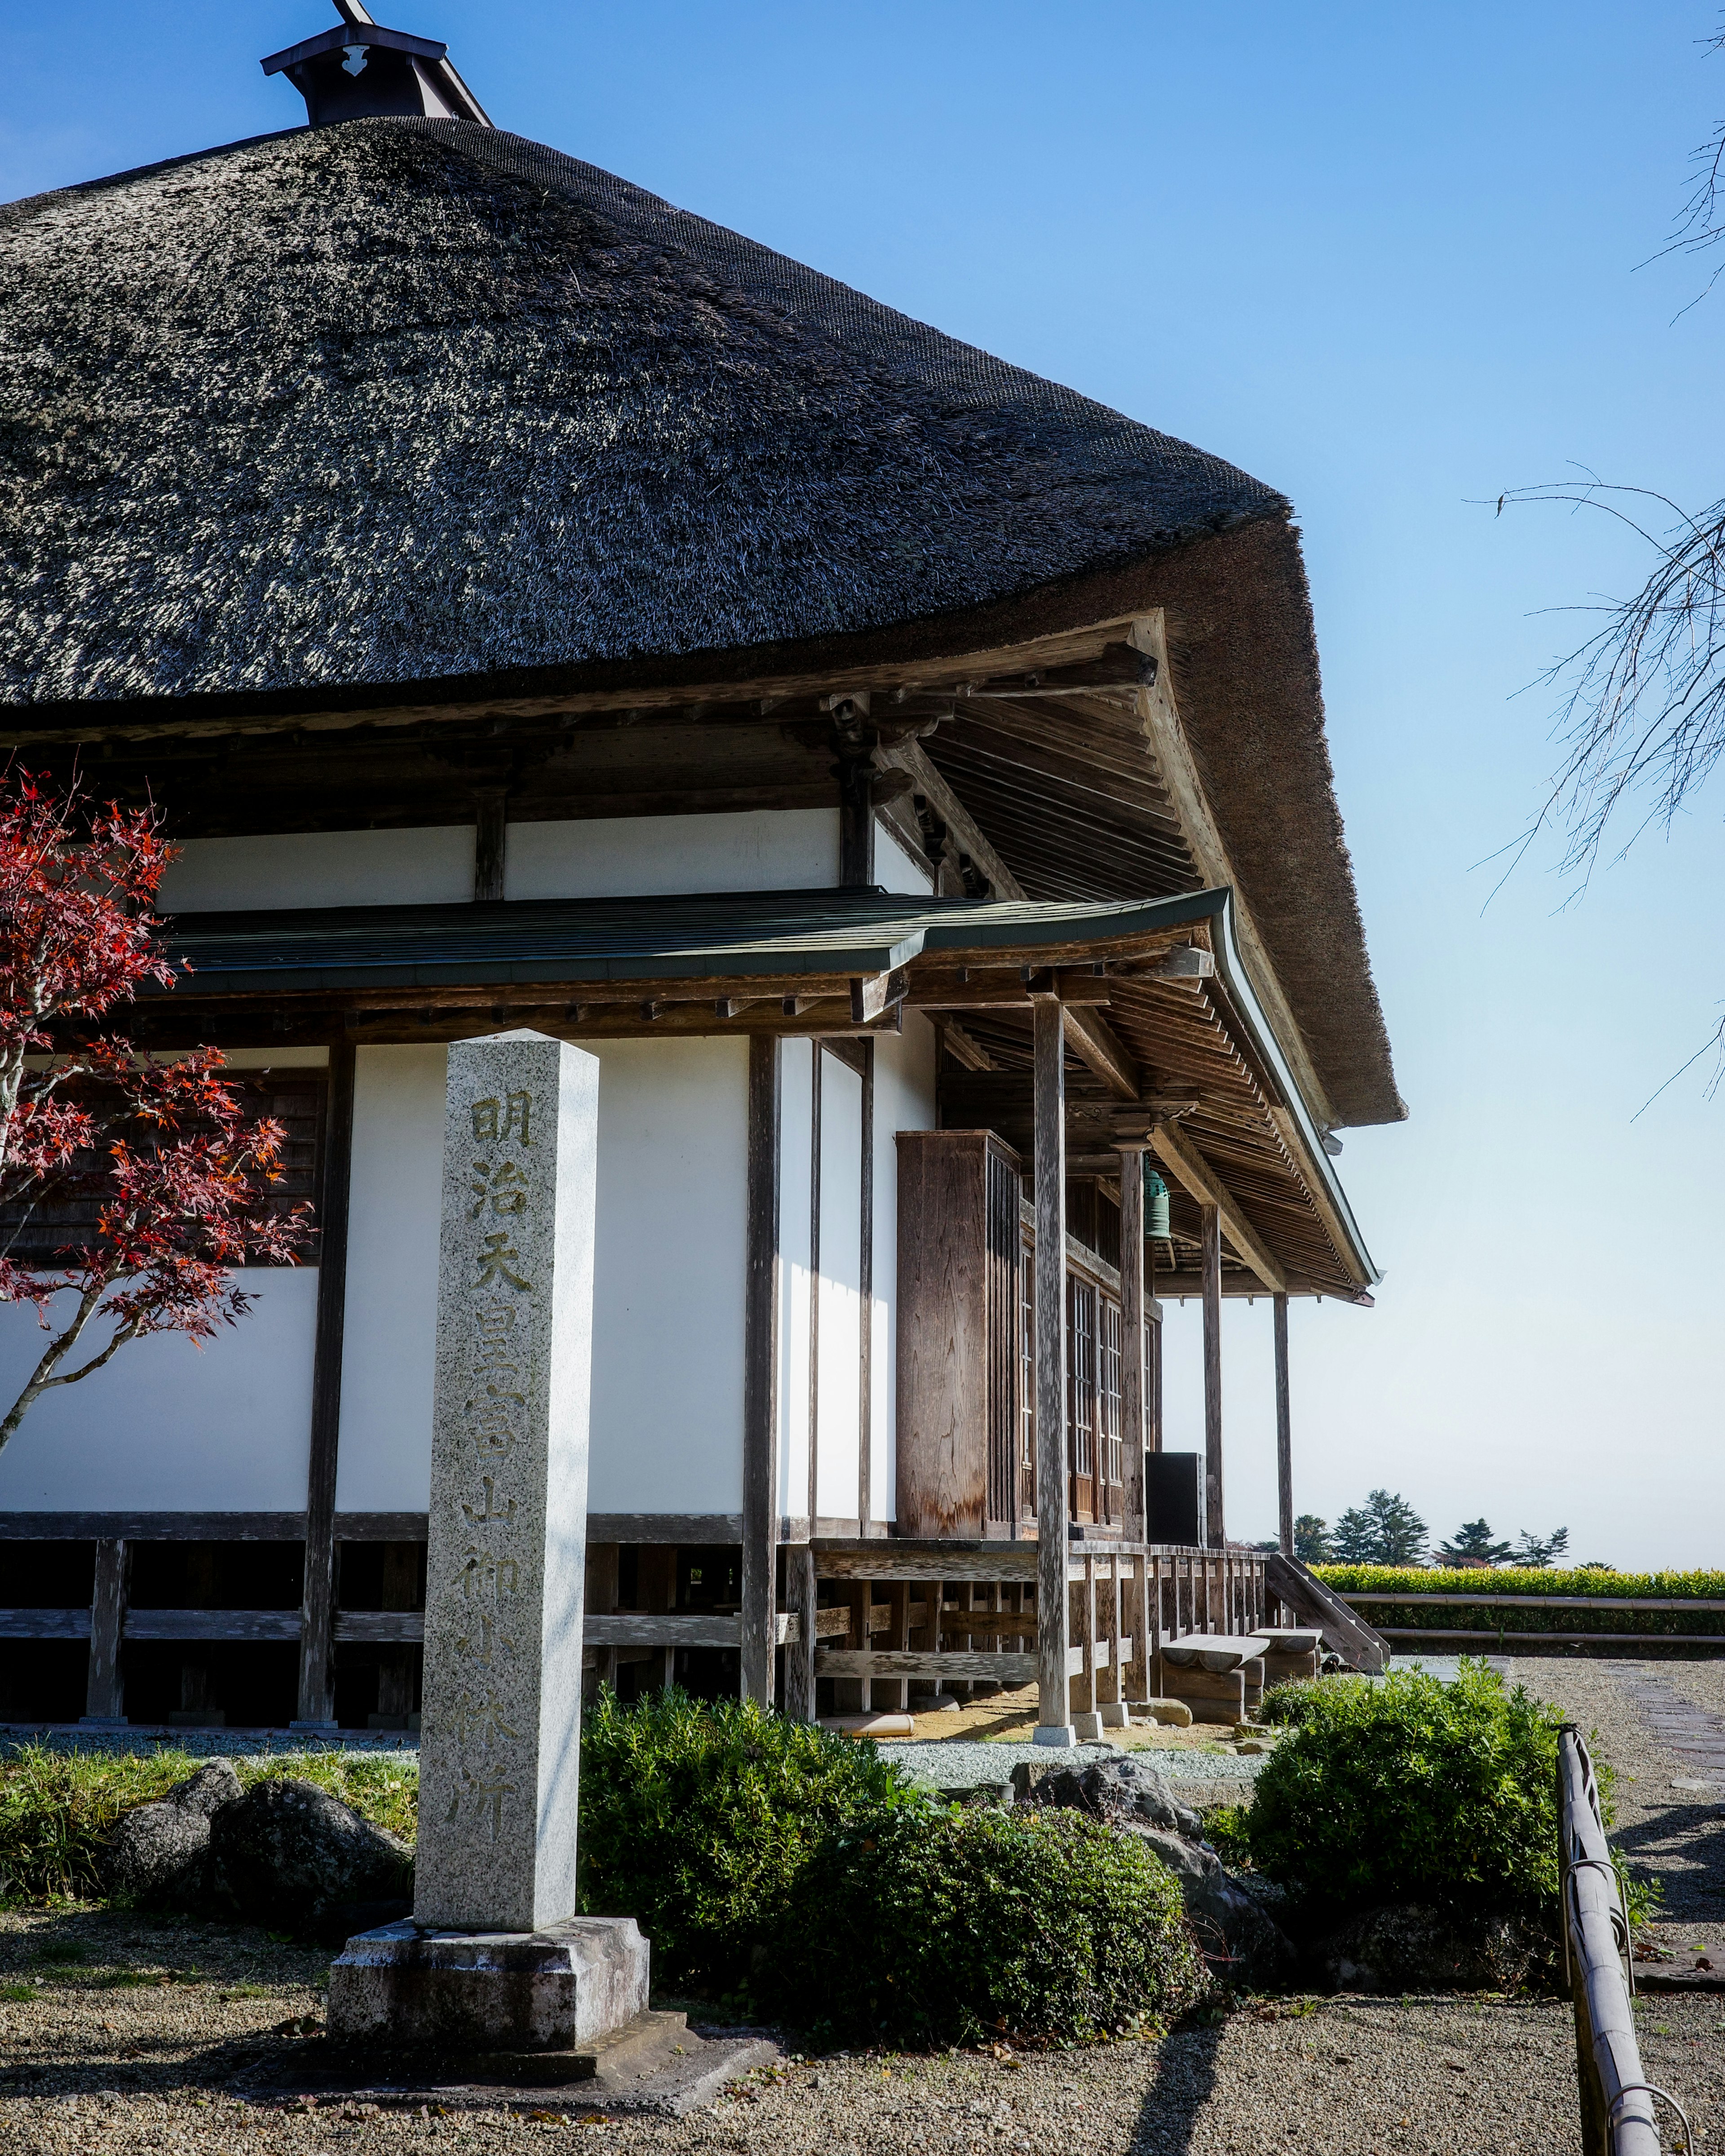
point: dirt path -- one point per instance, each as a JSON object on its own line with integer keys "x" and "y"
{"x": 118, "y": 2035}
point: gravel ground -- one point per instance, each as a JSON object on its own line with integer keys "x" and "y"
{"x": 955, "y": 1765}
{"x": 200, "y": 1744}
{"x": 117, "y": 2035}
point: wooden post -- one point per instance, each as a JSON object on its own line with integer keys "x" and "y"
{"x": 105, "y": 1688}
{"x": 1210, "y": 1237}
{"x": 1054, "y": 1616}
{"x": 490, "y": 839}
{"x": 865, "y": 1296}
{"x": 317, "y": 1608}
{"x": 760, "y": 1378}
{"x": 1284, "y": 1431}
{"x": 856, "y": 821}
{"x": 800, "y": 1599}
{"x": 395, "y": 1665}
{"x": 1133, "y": 1428}
{"x": 1085, "y": 1681}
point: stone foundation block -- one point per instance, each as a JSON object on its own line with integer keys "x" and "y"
{"x": 551, "y": 1990}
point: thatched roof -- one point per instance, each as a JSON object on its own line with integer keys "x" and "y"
{"x": 405, "y": 399}
{"x": 416, "y": 403}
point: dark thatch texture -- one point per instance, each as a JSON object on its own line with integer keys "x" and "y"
{"x": 400, "y": 399}
{"x": 411, "y": 402}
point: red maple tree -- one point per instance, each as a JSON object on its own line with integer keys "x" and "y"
{"x": 166, "y": 1184}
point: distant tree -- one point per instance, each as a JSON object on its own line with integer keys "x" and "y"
{"x": 1312, "y": 1539}
{"x": 1596, "y": 1565}
{"x": 160, "y": 1184}
{"x": 1472, "y": 1545}
{"x": 1386, "y": 1530}
{"x": 1537, "y": 1551}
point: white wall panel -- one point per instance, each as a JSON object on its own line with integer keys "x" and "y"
{"x": 897, "y": 870}
{"x": 389, "y": 1334}
{"x": 904, "y": 1100}
{"x": 673, "y": 1216}
{"x": 795, "y": 1179}
{"x": 840, "y": 1333}
{"x": 165, "y": 1428}
{"x": 646, "y": 856}
{"x": 431, "y": 865}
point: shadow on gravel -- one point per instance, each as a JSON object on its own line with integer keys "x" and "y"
{"x": 1695, "y": 1834}
{"x": 229, "y": 2068}
{"x": 1185, "y": 2081}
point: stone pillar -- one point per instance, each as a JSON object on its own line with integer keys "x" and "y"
{"x": 500, "y": 1714}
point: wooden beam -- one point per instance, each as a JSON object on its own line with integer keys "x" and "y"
{"x": 490, "y": 840}
{"x": 1131, "y": 1330}
{"x": 317, "y": 1698}
{"x": 1202, "y": 1182}
{"x": 799, "y": 1658}
{"x": 962, "y": 827}
{"x": 1003, "y": 988}
{"x": 1054, "y": 1615}
{"x": 963, "y": 1050}
{"x": 105, "y": 1687}
{"x": 1210, "y": 1237}
{"x": 1284, "y": 1434}
{"x": 1094, "y": 1041}
{"x": 760, "y": 1383}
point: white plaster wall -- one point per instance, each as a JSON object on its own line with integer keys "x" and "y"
{"x": 673, "y": 1214}
{"x": 904, "y": 1100}
{"x": 429, "y": 866}
{"x": 839, "y": 1388}
{"x": 897, "y": 870}
{"x": 389, "y": 1331}
{"x": 795, "y": 1178}
{"x": 165, "y": 1428}
{"x": 667, "y": 1362}
{"x": 645, "y": 856}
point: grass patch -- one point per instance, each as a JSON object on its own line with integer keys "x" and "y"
{"x": 19, "y": 1994}
{"x": 57, "y": 1807}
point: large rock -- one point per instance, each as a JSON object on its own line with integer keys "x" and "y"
{"x": 288, "y": 1853}
{"x": 1415, "y": 1949}
{"x": 1236, "y": 1927}
{"x": 1241, "y": 1940}
{"x": 1125, "y": 1791}
{"x": 158, "y": 1853}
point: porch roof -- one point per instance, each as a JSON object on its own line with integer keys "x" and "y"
{"x": 822, "y": 962}
{"x": 705, "y": 938}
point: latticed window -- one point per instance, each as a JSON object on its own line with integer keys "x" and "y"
{"x": 1109, "y": 1375}
{"x": 1080, "y": 1374}
{"x": 1027, "y": 1369}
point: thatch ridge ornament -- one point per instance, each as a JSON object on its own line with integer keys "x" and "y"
{"x": 363, "y": 71}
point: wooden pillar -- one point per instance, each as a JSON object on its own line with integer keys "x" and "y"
{"x": 1054, "y": 1616}
{"x": 800, "y": 1596}
{"x": 856, "y": 821}
{"x": 1133, "y": 1420}
{"x": 865, "y": 1296}
{"x": 1284, "y": 1432}
{"x": 317, "y": 1608}
{"x": 105, "y": 1688}
{"x": 760, "y": 1378}
{"x": 1210, "y": 1237}
{"x": 490, "y": 840}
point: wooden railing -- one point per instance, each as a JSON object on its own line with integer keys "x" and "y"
{"x": 966, "y": 1614}
{"x": 1617, "y": 2101}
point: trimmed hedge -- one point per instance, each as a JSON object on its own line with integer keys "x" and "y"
{"x": 1493, "y": 1622}
{"x": 1516, "y": 1579}
{"x": 1403, "y": 1788}
{"x": 786, "y": 1872}
{"x": 950, "y": 1924}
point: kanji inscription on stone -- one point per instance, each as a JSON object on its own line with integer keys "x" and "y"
{"x": 502, "y": 1717}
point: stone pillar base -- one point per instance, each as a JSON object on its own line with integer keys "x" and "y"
{"x": 490, "y": 1991}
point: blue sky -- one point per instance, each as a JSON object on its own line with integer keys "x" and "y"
{"x": 1385, "y": 259}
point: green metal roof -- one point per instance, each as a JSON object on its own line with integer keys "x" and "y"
{"x": 584, "y": 941}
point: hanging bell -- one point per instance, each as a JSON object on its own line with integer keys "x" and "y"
{"x": 1156, "y": 1220}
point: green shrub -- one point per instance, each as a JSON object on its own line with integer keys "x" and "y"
{"x": 943, "y": 1924}
{"x": 1519, "y": 1579}
{"x": 698, "y": 1818}
{"x": 1407, "y": 1789}
{"x": 56, "y": 1807}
